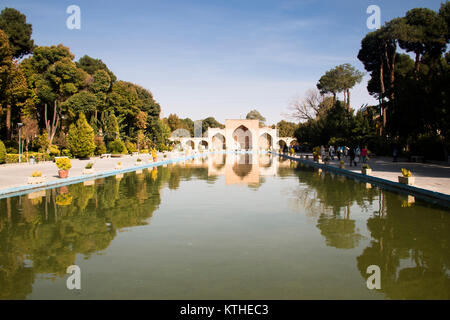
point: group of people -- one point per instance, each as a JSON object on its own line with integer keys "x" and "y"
{"x": 355, "y": 154}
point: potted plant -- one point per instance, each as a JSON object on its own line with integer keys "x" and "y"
{"x": 118, "y": 165}
{"x": 138, "y": 162}
{"x": 36, "y": 178}
{"x": 316, "y": 153}
{"x": 88, "y": 169}
{"x": 341, "y": 164}
{"x": 154, "y": 155}
{"x": 365, "y": 169}
{"x": 63, "y": 165}
{"x": 406, "y": 177}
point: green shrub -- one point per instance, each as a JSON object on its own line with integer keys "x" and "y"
{"x": 63, "y": 163}
{"x": 406, "y": 173}
{"x": 66, "y": 153}
{"x": 12, "y": 158}
{"x": 430, "y": 146}
{"x": 90, "y": 165}
{"x": 100, "y": 147}
{"x": 54, "y": 151}
{"x": 117, "y": 147}
{"x": 12, "y": 150}
{"x": 131, "y": 147}
{"x": 2, "y": 153}
{"x": 43, "y": 142}
{"x": 81, "y": 138}
{"x": 36, "y": 174}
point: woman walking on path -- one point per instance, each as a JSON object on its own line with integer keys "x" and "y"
{"x": 357, "y": 155}
{"x": 331, "y": 152}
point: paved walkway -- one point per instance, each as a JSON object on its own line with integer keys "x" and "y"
{"x": 15, "y": 175}
{"x": 429, "y": 176}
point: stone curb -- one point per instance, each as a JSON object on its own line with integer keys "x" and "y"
{"x": 428, "y": 195}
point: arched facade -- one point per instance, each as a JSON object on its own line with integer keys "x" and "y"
{"x": 218, "y": 142}
{"x": 241, "y": 134}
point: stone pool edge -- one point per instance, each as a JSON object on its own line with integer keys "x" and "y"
{"x": 425, "y": 194}
{"x": 25, "y": 189}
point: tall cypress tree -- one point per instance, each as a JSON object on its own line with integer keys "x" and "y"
{"x": 81, "y": 138}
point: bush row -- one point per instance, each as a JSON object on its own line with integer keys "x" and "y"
{"x": 14, "y": 158}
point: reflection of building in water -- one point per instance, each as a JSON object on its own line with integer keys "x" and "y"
{"x": 239, "y": 168}
{"x": 237, "y": 135}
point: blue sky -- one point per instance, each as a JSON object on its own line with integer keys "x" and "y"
{"x": 217, "y": 58}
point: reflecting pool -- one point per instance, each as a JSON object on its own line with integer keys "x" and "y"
{"x": 224, "y": 227}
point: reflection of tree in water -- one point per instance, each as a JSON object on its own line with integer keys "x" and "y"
{"x": 339, "y": 232}
{"x": 40, "y": 236}
{"x": 329, "y": 198}
{"x": 411, "y": 246}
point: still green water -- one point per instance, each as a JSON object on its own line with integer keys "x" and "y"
{"x": 223, "y": 227}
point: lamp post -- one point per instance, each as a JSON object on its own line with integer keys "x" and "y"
{"x": 20, "y": 125}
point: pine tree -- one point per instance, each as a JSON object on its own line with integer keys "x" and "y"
{"x": 81, "y": 138}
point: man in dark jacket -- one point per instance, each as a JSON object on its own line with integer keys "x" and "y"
{"x": 351, "y": 153}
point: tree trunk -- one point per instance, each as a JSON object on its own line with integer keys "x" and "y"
{"x": 417, "y": 63}
{"x": 51, "y": 127}
{"x": 380, "y": 106}
{"x": 383, "y": 90}
{"x": 8, "y": 122}
{"x": 393, "y": 76}
{"x": 8, "y": 208}
{"x": 348, "y": 99}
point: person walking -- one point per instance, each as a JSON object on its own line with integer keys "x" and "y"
{"x": 364, "y": 154}
{"x": 322, "y": 152}
{"x": 351, "y": 153}
{"x": 357, "y": 155}
{"x": 395, "y": 154}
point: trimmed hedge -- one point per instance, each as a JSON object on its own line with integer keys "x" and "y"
{"x": 14, "y": 158}
{"x": 2, "y": 152}
{"x": 117, "y": 147}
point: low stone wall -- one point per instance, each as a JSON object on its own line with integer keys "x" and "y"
{"x": 428, "y": 195}
{"x": 20, "y": 190}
